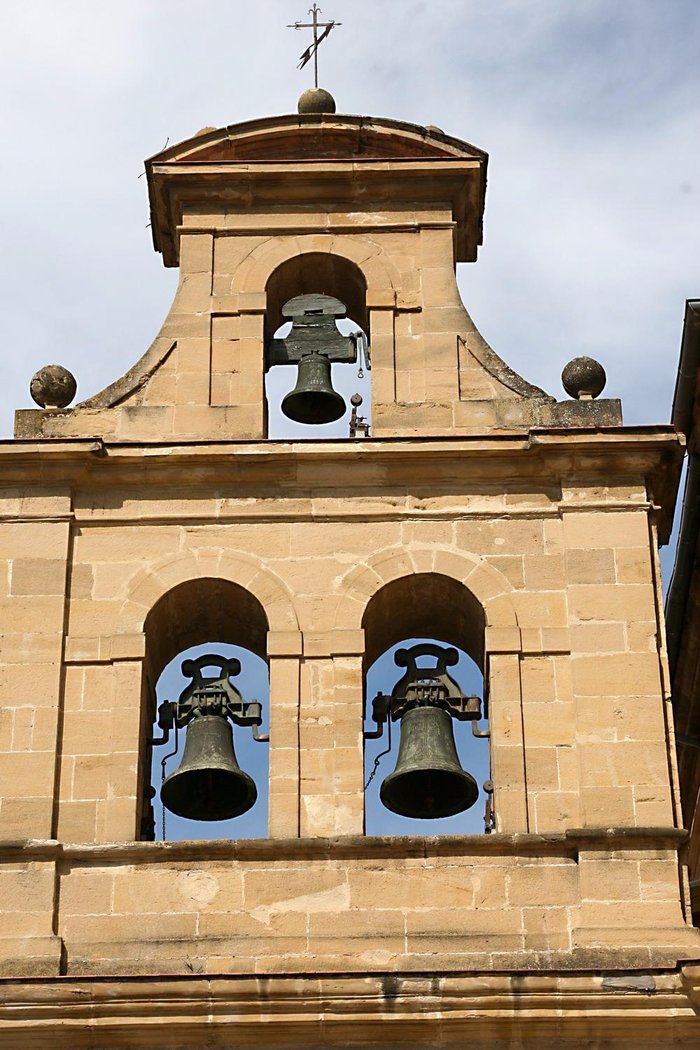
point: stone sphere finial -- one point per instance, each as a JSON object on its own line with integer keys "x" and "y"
{"x": 316, "y": 100}
{"x": 583, "y": 378}
{"x": 53, "y": 386}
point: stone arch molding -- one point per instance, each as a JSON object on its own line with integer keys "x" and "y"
{"x": 149, "y": 585}
{"x": 255, "y": 271}
{"x": 491, "y": 589}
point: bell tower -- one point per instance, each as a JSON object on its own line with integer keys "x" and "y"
{"x": 467, "y": 517}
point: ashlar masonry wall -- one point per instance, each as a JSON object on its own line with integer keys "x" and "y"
{"x": 585, "y": 856}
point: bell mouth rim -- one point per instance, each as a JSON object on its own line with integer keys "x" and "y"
{"x": 466, "y": 799}
{"x": 245, "y": 805}
{"x": 312, "y": 422}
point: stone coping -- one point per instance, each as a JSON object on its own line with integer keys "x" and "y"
{"x": 360, "y": 847}
{"x": 517, "y": 437}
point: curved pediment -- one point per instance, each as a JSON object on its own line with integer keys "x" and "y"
{"x": 318, "y": 137}
{"x": 313, "y": 161}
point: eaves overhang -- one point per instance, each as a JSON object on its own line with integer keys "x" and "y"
{"x": 314, "y": 161}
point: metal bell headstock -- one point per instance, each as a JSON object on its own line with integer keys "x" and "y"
{"x": 426, "y": 686}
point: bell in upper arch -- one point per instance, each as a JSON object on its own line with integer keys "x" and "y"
{"x": 428, "y": 780}
{"x": 313, "y": 399}
{"x": 209, "y": 784}
{"x": 313, "y": 343}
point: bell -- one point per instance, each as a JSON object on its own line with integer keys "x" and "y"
{"x": 428, "y": 780}
{"x": 209, "y": 785}
{"x": 313, "y": 399}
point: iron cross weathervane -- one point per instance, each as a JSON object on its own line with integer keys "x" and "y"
{"x": 312, "y": 49}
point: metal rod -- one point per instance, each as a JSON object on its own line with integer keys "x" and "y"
{"x": 162, "y": 781}
{"x": 380, "y": 756}
{"x": 315, "y": 17}
{"x": 480, "y": 732}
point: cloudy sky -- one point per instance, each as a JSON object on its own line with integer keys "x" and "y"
{"x": 589, "y": 109}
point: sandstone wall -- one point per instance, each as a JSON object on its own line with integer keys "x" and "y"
{"x": 565, "y": 573}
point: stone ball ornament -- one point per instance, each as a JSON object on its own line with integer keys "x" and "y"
{"x": 53, "y": 386}
{"x": 316, "y": 100}
{"x": 583, "y": 378}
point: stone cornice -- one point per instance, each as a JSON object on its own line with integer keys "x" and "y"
{"x": 540, "y": 456}
{"x": 176, "y": 187}
{"x": 303, "y": 1009}
{"x": 307, "y": 157}
{"x": 570, "y": 447}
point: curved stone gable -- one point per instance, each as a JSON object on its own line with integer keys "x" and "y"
{"x": 310, "y": 136}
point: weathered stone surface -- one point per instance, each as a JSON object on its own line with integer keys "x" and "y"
{"x": 53, "y": 386}
{"x": 583, "y": 378}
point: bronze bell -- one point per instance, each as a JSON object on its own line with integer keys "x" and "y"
{"x": 209, "y": 785}
{"x": 313, "y": 399}
{"x": 428, "y": 780}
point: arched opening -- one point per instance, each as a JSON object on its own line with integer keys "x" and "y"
{"x": 321, "y": 272}
{"x": 218, "y": 620}
{"x": 317, "y": 302}
{"x": 416, "y": 622}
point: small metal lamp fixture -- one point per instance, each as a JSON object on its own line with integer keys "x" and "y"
{"x": 312, "y": 344}
{"x": 209, "y": 784}
{"x": 428, "y": 780}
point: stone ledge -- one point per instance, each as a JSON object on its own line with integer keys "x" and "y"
{"x": 36, "y": 956}
{"x": 568, "y": 843}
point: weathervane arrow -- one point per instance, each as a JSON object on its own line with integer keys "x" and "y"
{"x": 312, "y": 49}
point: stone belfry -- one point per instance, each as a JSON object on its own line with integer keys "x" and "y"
{"x": 478, "y": 511}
